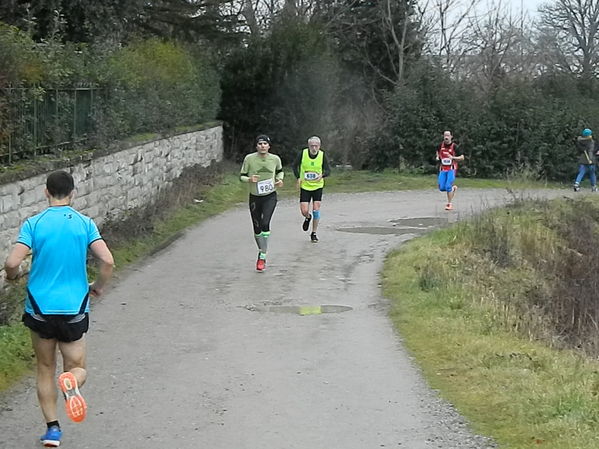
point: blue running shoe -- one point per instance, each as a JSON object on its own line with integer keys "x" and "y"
{"x": 51, "y": 437}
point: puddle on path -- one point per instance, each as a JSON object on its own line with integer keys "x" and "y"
{"x": 379, "y": 230}
{"x": 401, "y": 226}
{"x": 422, "y": 222}
{"x": 299, "y": 310}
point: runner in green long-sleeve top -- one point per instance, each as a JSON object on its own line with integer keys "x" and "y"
{"x": 264, "y": 173}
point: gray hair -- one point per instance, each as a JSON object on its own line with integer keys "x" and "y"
{"x": 314, "y": 139}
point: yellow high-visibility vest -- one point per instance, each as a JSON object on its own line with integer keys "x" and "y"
{"x": 310, "y": 169}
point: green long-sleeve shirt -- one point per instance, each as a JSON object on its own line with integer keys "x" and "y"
{"x": 267, "y": 167}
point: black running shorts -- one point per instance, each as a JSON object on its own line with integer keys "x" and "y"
{"x": 307, "y": 195}
{"x": 65, "y": 328}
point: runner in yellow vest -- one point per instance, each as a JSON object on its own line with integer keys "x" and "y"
{"x": 310, "y": 168}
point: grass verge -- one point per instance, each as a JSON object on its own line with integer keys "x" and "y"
{"x": 348, "y": 181}
{"x": 204, "y": 201}
{"x": 471, "y": 346}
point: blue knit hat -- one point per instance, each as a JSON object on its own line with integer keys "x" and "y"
{"x": 587, "y": 132}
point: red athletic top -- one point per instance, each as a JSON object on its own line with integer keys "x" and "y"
{"x": 445, "y": 152}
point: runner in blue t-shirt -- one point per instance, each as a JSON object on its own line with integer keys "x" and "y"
{"x": 57, "y": 302}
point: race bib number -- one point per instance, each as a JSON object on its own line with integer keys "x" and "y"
{"x": 446, "y": 161}
{"x": 310, "y": 176}
{"x": 266, "y": 186}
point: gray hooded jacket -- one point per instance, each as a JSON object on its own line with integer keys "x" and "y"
{"x": 586, "y": 150}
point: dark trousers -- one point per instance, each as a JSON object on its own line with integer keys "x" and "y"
{"x": 261, "y": 210}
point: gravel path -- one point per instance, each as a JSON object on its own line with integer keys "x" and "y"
{"x": 194, "y": 349}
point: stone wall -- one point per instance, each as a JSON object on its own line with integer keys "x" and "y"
{"x": 109, "y": 185}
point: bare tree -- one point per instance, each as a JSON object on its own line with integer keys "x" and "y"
{"x": 258, "y": 14}
{"x": 248, "y": 12}
{"x": 450, "y": 20}
{"x": 569, "y": 36}
{"x": 400, "y": 34}
{"x": 494, "y": 40}
{"x": 396, "y": 46}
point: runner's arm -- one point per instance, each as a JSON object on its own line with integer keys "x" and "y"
{"x": 244, "y": 172}
{"x": 295, "y": 165}
{"x": 326, "y": 168}
{"x": 456, "y": 157}
{"x": 103, "y": 254}
{"x": 279, "y": 173}
{"x": 12, "y": 266}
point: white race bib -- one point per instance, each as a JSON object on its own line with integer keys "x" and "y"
{"x": 310, "y": 176}
{"x": 446, "y": 161}
{"x": 266, "y": 186}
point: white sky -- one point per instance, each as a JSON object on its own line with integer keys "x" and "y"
{"x": 530, "y": 6}
{"x": 482, "y": 6}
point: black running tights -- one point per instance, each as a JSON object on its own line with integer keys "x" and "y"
{"x": 261, "y": 210}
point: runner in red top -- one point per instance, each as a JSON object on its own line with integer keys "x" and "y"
{"x": 448, "y": 158}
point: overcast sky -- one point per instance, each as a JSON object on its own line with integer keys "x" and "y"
{"x": 530, "y": 6}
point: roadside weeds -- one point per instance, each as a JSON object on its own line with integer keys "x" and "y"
{"x": 465, "y": 321}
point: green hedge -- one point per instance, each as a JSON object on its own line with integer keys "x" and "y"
{"x": 147, "y": 86}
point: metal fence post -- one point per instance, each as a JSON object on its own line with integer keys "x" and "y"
{"x": 75, "y": 115}
{"x": 37, "y": 128}
{"x": 35, "y": 120}
{"x": 56, "y": 122}
{"x": 10, "y": 148}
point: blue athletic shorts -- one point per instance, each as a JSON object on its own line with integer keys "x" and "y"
{"x": 445, "y": 180}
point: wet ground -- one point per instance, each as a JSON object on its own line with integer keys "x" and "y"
{"x": 194, "y": 349}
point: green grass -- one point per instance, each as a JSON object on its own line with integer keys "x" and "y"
{"x": 354, "y": 181}
{"x": 16, "y": 355}
{"x": 149, "y": 136}
{"x": 520, "y": 392}
{"x": 389, "y": 180}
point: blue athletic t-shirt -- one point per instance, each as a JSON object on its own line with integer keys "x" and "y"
{"x": 59, "y": 238}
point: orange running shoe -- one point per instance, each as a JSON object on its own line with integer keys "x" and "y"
{"x": 75, "y": 405}
{"x": 449, "y": 206}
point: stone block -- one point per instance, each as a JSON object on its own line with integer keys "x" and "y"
{"x": 26, "y": 212}
{"x": 36, "y": 182}
{"x": 7, "y": 203}
{"x": 93, "y": 212}
{"x": 79, "y": 203}
{"x": 32, "y": 197}
{"x": 12, "y": 220}
{"x": 83, "y": 188}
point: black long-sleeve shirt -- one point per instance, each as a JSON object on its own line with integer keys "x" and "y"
{"x": 297, "y": 163}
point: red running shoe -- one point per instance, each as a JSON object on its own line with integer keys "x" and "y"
{"x": 75, "y": 405}
{"x": 260, "y": 265}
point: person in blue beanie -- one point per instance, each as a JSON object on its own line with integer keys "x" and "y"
{"x": 585, "y": 145}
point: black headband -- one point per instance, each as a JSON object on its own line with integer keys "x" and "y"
{"x": 263, "y": 138}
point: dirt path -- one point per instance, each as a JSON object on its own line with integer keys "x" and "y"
{"x": 179, "y": 357}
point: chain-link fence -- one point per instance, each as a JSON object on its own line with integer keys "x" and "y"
{"x": 36, "y": 121}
